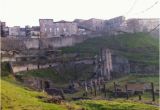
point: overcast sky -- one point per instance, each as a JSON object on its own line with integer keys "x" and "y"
{"x": 28, "y": 12}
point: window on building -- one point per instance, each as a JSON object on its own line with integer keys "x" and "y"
{"x": 45, "y": 29}
{"x": 57, "y": 29}
{"x": 64, "y": 29}
{"x": 50, "y": 29}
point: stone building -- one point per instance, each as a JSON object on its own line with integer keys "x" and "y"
{"x": 142, "y": 25}
{"x": 0, "y": 29}
{"x": 35, "y": 31}
{"x": 115, "y": 25}
{"x": 28, "y": 31}
{"x": 4, "y": 30}
{"x": 14, "y": 31}
{"x": 93, "y": 24}
{"x": 22, "y": 32}
{"x": 46, "y": 28}
{"x": 65, "y": 28}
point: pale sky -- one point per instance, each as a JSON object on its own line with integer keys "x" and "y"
{"x": 28, "y": 12}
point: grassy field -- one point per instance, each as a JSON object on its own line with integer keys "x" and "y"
{"x": 133, "y": 78}
{"x": 114, "y": 105}
{"x": 146, "y": 96}
{"x": 138, "y": 47}
{"x": 17, "y": 97}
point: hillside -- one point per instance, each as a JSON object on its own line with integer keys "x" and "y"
{"x": 15, "y": 96}
{"x": 139, "y": 47}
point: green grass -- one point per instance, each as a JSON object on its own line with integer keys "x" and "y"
{"x": 146, "y": 97}
{"x": 17, "y": 97}
{"x": 5, "y": 69}
{"x": 138, "y": 47}
{"x": 114, "y": 105}
{"x": 136, "y": 79}
{"x": 83, "y": 72}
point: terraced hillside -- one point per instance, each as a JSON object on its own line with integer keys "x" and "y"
{"x": 136, "y": 47}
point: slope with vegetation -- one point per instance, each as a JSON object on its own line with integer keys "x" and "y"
{"x": 15, "y": 96}
{"x": 137, "y": 47}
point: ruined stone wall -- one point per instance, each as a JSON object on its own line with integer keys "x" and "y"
{"x": 142, "y": 68}
{"x": 34, "y": 43}
{"x": 22, "y": 66}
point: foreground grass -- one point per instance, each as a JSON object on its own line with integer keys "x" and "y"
{"x": 114, "y": 105}
{"x": 16, "y": 97}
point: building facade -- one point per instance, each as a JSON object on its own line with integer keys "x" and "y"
{"x": 46, "y": 27}
{"x": 14, "y": 31}
{"x": 142, "y": 25}
{"x": 95, "y": 25}
{"x": 64, "y": 28}
{"x": 4, "y": 30}
{"x": 115, "y": 25}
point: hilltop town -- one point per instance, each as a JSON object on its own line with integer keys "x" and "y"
{"x": 83, "y": 60}
{"x": 48, "y": 28}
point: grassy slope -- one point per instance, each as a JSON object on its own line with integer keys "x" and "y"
{"x": 17, "y": 97}
{"x": 146, "y": 97}
{"x": 136, "y": 79}
{"x": 62, "y": 78}
{"x": 138, "y": 46}
{"x": 114, "y": 105}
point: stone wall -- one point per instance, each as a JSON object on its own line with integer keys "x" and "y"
{"x": 141, "y": 68}
{"x": 34, "y": 43}
{"x": 22, "y": 66}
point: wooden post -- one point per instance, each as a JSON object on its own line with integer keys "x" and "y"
{"x": 126, "y": 91}
{"x": 62, "y": 94}
{"x": 91, "y": 90}
{"x": 115, "y": 90}
{"x": 99, "y": 85}
{"x": 91, "y": 86}
{"x": 139, "y": 96}
{"x": 86, "y": 89}
{"x": 95, "y": 89}
{"x": 153, "y": 96}
{"x": 104, "y": 87}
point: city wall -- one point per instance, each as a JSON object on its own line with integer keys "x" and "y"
{"x": 19, "y": 43}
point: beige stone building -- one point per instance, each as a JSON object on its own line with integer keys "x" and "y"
{"x": 115, "y": 25}
{"x": 64, "y": 28}
{"x": 48, "y": 28}
{"x": 142, "y": 25}
{"x": 14, "y": 31}
{"x": 93, "y": 24}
